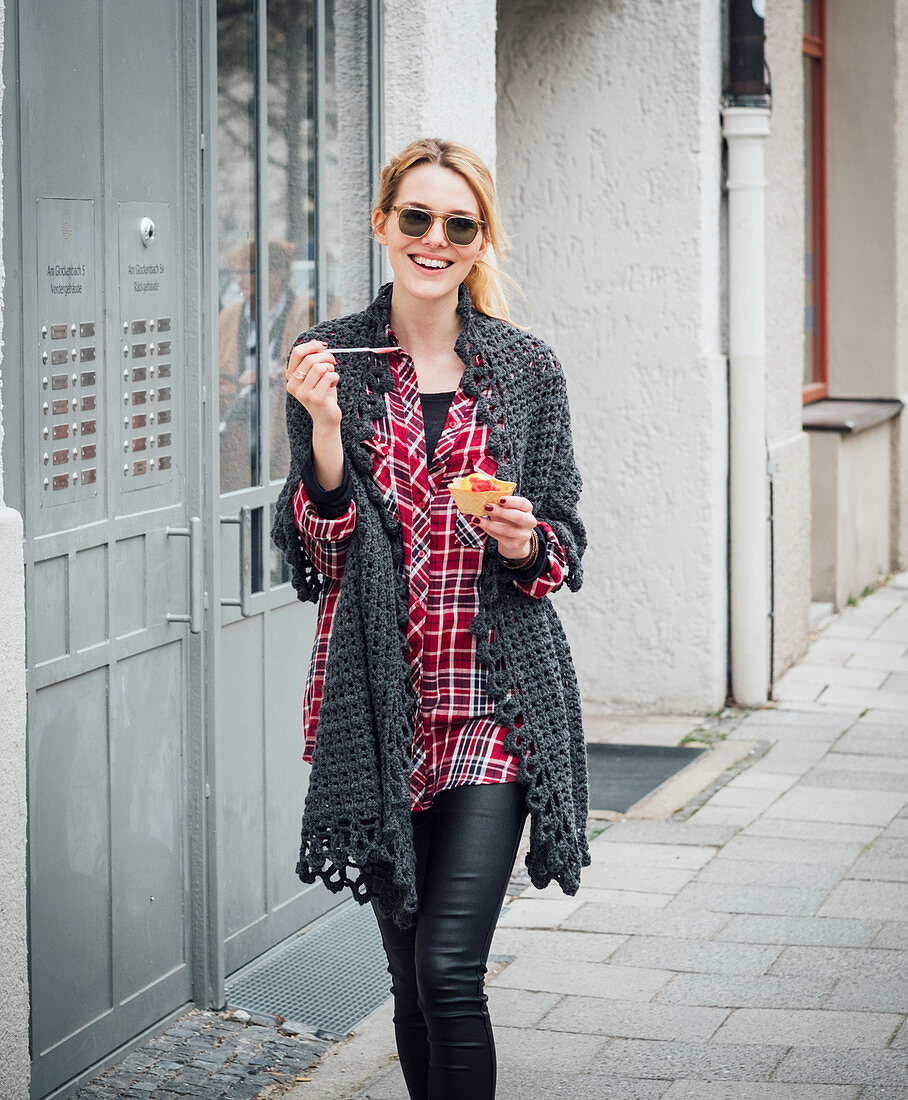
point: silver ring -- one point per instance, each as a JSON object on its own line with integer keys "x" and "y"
{"x": 300, "y": 373}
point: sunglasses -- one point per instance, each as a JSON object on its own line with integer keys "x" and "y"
{"x": 413, "y": 221}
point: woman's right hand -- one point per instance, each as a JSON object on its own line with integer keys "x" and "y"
{"x": 312, "y": 380}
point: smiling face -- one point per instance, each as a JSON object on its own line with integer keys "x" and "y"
{"x": 430, "y": 268}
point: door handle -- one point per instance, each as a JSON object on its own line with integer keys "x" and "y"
{"x": 194, "y": 533}
{"x": 244, "y": 521}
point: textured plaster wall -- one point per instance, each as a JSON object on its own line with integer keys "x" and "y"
{"x": 899, "y": 526}
{"x": 861, "y": 190}
{"x": 789, "y": 446}
{"x": 610, "y": 182}
{"x": 14, "y": 1001}
{"x": 439, "y": 73}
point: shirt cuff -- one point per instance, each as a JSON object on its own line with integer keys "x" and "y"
{"x": 328, "y": 503}
{"x": 316, "y": 529}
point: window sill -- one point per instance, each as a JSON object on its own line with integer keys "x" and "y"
{"x": 849, "y": 415}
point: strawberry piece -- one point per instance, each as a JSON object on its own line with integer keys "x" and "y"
{"x": 481, "y": 484}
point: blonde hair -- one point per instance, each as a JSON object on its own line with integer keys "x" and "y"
{"x": 484, "y": 281}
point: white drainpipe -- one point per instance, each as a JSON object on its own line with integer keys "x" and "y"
{"x": 745, "y": 130}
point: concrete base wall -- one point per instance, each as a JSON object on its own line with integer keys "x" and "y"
{"x": 790, "y": 460}
{"x": 609, "y": 172}
{"x": 851, "y": 491}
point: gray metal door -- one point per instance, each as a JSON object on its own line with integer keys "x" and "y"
{"x": 105, "y": 414}
{"x": 292, "y": 233}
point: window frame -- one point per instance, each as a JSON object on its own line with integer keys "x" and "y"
{"x": 813, "y": 49}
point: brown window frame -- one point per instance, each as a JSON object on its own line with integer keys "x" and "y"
{"x": 814, "y": 48}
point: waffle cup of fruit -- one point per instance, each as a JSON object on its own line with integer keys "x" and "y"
{"x": 472, "y": 493}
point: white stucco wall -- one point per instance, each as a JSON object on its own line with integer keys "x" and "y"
{"x": 14, "y": 999}
{"x": 438, "y": 63}
{"x": 861, "y": 137}
{"x": 789, "y": 446}
{"x": 610, "y": 183}
{"x": 899, "y": 527}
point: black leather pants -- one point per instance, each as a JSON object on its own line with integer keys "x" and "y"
{"x": 466, "y": 844}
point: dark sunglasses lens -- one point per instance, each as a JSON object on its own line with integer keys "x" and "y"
{"x": 414, "y": 223}
{"x": 461, "y": 230}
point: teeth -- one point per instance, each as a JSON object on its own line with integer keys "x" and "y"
{"x": 425, "y": 262}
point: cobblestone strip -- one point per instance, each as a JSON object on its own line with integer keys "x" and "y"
{"x": 210, "y": 1056}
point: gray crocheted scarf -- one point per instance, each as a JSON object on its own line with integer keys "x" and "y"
{"x": 356, "y": 828}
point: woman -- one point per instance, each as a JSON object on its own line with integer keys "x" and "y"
{"x": 446, "y": 706}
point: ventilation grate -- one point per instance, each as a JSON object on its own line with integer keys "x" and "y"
{"x": 621, "y": 775}
{"x": 328, "y": 977}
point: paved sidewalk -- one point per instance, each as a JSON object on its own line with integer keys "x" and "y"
{"x": 753, "y": 946}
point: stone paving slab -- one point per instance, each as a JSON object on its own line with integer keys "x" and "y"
{"x": 791, "y": 757}
{"x": 519, "y": 1007}
{"x": 830, "y": 831}
{"x": 883, "y": 662}
{"x": 805, "y": 803}
{"x": 718, "y": 897}
{"x": 806, "y": 931}
{"x": 881, "y": 699}
{"x": 627, "y": 853}
{"x": 809, "y": 1028}
{"x": 684, "y": 833}
{"x": 791, "y": 849}
{"x": 711, "y": 1061}
{"x": 635, "y": 888}
{"x": 894, "y": 934}
{"x": 755, "y": 798}
{"x": 751, "y": 991}
{"x": 726, "y": 815}
{"x": 632, "y": 983}
{"x": 850, "y": 962}
{"x": 885, "y": 860}
{"x": 610, "y": 875}
{"x": 668, "y": 953}
{"x": 816, "y": 718}
{"x": 634, "y": 921}
{"x": 639, "y": 898}
{"x": 793, "y": 731}
{"x": 556, "y": 1053}
{"x": 633, "y": 1019}
{"x": 872, "y": 717}
{"x": 766, "y": 780}
{"x": 864, "y": 761}
{"x": 752, "y": 872}
{"x": 835, "y": 1067}
{"x": 560, "y": 945}
{"x": 819, "y": 675}
{"x": 886, "y": 900}
{"x": 873, "y": 740}
{"x": 841, "y": 778}
{"x": 538, "y": 912}
{"x": 748, "y": 1090}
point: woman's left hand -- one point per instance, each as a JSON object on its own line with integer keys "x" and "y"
{"x": 511, "y": 523}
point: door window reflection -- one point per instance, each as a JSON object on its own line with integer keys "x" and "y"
{"x": 289, "y": 314}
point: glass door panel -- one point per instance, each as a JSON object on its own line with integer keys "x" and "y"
{"x": 295, "y": 162}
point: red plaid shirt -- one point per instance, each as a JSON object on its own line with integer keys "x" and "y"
{"x": 455, "y": 741}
